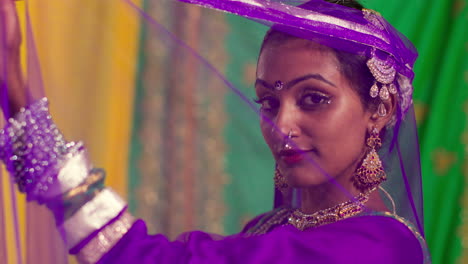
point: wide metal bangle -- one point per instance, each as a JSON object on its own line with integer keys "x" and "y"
{"x": 73, "y": 172}
{"x": 92, "y": 216}
{"x": 105, "y": 239}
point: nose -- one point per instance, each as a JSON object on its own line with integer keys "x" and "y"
{"x": 286, "y": 121}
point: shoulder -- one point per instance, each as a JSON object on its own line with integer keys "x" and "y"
{"x": 379, "y": 236}
{"x": 266, "y": 222}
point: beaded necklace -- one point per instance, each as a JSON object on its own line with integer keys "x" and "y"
{"x": 330, "y": 215}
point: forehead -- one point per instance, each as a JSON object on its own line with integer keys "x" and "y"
{"x": 296, "y": 57}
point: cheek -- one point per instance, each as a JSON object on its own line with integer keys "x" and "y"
{"x": 339, "y": 135}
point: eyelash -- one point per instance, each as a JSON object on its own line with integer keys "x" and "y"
{"x": 323, "y": 100}
{"x": 264, "y": 99}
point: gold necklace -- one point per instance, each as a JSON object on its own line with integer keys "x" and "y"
{"x": 330, "y": 215}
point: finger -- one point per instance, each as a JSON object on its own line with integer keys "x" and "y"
{"x": 10, "y": 24}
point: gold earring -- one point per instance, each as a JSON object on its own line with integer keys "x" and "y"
{"x": 280, "y": 181}
{"x": 371, "y": 172}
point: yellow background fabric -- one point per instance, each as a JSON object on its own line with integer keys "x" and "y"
{"x": 87, "y": 51}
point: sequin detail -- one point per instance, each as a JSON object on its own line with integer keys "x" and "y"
{"x": 34, "y": 150}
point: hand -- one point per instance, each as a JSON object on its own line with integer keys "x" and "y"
{"x": 11, "y": 77}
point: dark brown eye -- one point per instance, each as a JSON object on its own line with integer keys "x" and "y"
{"x": 314, "y": 99}
{"x": 268, "y": 103}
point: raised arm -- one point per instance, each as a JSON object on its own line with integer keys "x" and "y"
{"x": 13, "y": 93}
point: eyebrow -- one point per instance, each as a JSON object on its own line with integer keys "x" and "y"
{"x": 295, "y": 81}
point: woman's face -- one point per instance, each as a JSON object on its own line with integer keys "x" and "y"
{"x": 317, "y": 106}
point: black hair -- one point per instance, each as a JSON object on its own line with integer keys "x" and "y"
{"x": 352, "y": 66}
{"x": 349, "y": 3}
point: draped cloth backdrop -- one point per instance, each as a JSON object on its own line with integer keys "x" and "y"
{"x": 88, "y": 53}
{"x": 121, "y": 96}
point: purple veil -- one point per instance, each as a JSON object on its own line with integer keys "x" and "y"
{"x": 338, "y": 27}
{"x": 347, "y": 29}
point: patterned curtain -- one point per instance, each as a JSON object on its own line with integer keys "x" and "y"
{"x": 177, "y": 152}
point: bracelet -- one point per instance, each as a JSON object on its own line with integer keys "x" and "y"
{"x": 95, "y": 249}
{"x": 34, "y": 151}
{"x": 71, "y": 201}
{"x": 92, "y": 216}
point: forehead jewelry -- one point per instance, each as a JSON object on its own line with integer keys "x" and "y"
{"x": 279, "y": 85}
{"x": 384, "y": 73}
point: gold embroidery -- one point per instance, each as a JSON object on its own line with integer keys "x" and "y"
{"x": 364, "y": 29}
{"x": 279, "y": 217}
{"x": 269, "y": 222}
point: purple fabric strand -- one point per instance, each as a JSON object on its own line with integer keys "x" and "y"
{"x": 6, "y": 113}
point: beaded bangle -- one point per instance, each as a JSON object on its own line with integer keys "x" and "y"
{"x": 34, "y": 151}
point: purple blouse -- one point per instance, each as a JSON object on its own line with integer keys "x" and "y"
{"x": 363, "y": 239}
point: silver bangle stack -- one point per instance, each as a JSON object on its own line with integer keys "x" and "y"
{"x": 58, "y": 173}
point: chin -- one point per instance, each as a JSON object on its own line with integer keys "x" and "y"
{"x": 307, "y": 176}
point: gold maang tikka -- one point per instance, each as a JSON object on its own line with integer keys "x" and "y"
{"x": 384, "y": 73}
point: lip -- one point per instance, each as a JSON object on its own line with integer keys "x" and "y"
{"x": 293, "y": 156}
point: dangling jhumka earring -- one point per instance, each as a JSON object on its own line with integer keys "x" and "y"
{"x": 384, "y": 73}
{"x": 280, "y": 181}
{"x": 371, "y": 173}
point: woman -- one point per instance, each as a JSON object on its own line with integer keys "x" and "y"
{"x": 334, "y": 85}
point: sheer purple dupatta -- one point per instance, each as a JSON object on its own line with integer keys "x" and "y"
{"x": 368, "y": 34}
